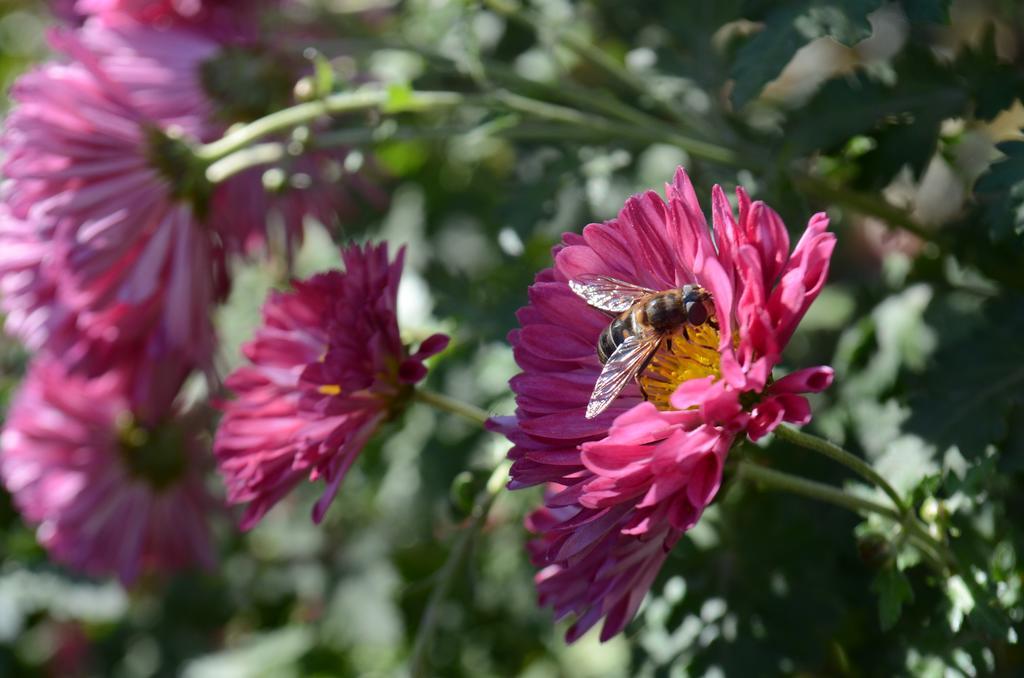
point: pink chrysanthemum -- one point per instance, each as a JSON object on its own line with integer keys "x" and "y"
{"x": 625, "y": 485}
{"x": 121, "y": 251}
{"x": 186, "y": 83}
{"x": 224, "y": 19}
{"x": 122, "y": 258}
{"x": 327, "y": 368}
{"x": 108, "y": 496}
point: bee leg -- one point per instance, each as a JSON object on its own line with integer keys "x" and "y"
{"x": 643, "y": 391}
{"x": 639, "y": 372}
{"x": 668, "y": 343}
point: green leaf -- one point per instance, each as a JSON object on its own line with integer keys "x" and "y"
{"x": 973, "y": 382}
{"x": 898, "y": 146}
{"x": 999, "y": 193}
{"x": 927, "y": 11}
{"x": 400, "y": 96}
{"x": 893, "y": 589}
{"x": 462, "y": 492}
{"x": 324, "y": 77}
{"x": 788, "y": 28}
{"x": 993, "y": 84}
{"x": 924, "y": 94}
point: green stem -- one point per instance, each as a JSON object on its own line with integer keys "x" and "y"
{"x": 271, "y": 152}
{"x": 847, "y": 459}
{"x": 565, "y": 92}
{"x": 936, "y": 553}
{"x": 778, "y": 480}
{"x": 595, "y": 57}
{"x": 334, "y": 104}
{"x": 572, "y": 116}
{"x": 238, "y": 150}
{"x": 451, "y": 405}
{"x": 919, "y": 533}
{"x": 418, "y": 662}
{"x": 830, "y": 193}
{"x": 254, "y": 156}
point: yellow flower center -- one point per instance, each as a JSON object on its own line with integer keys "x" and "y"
{"x": 690, "y": 354}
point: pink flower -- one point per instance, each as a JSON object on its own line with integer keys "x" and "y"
{"x": 224, "y": 19}
{"x": 188, "y": 84}
{"x": 121, "y": 249}
{"x": 327, "y": 368}
{"x": 628, "y": 483}
{"x": 28, "y": 288}
{"x": 107, "y": 495}
{"x": 123, "y": 269}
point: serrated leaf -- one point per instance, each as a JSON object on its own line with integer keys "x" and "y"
{"x": 896, "y": 147}
{"x": 967, "y": 601}
{"x": 893, "y": 589}
{"x": 994, "y": 84}
{"x": 999, "y": 193}
{"x": 972, "y": 383}
{"x": 763, "y": 57}
{"x": 924, "y": 94}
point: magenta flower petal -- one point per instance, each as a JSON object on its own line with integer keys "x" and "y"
{"x": 624, "y": 486}
{"x": 105, "y": 501}
{"x": 807, "y": 380}
{"x": 327, "y": 367}
{"x": 224, "y": 19}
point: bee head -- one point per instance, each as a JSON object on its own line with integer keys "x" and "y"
{"x": 697, "y": 301}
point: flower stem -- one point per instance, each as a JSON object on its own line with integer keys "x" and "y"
{"x": 334, "y": 104}
{"x": 596, "y": 57}
{"x": 865, "y": 204}
{"x": 451, "y": 405}
{"x": 418, "y": 664}
{"x": 778, "y": 480}
{"x": 847, "y": 459}
{"x": 572, "y": 116}
{"x": 238, "y": 150}
{"x": 270, "y": 152}
{"x": 254, "y": 156}
{"x": 932, "y": 550}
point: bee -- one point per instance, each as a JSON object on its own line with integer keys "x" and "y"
{"x": 644, "y": 320}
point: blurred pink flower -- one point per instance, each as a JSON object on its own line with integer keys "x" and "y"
{"x": 327, "y": 368}
{"x": 626, "y": 484}
{"x": 224, "y": 19}
{"x": 120, "y": 247}
{"x": 111, "y": 259}
{"x": 193, "y": 87}
{"x": 108, "y": 496}
{"x": 28, "y": 288}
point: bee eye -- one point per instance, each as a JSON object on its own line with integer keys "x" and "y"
{"x": 696, "y": 313}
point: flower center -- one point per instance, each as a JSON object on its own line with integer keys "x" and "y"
{"x": 690, "y": 354}
{"x": 175, "y": 161}
{"x": 156, "y": 456}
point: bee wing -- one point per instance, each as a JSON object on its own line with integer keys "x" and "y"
{"x": 607, "y": 294}
{"x": 625, "y": 363}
